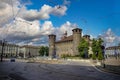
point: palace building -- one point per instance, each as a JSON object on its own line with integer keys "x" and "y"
{"x": 13, "y": 50}
{"x": 67, "y": 44}
{"x": 113, "y": 51}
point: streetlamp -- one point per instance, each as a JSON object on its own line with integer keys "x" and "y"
{"x": 2, "y": 44}
{"x": 103, "y": 53}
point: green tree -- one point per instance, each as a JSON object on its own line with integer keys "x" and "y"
{"x": 100, "y": 55}
{"x": 41, "y": 51}
{"x": 96, "y": 48}
{"x": 44, "y": 50}
{"x": 93, "y": 56}
{"x": 83, "y": 48}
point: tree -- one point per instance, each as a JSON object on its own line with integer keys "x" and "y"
{"x": 94, "y": 46}
{"x": 93, "y": 56}
{"x": 43, "y": 51}
{"x": 97, "y": 48}
{"x": 46, "y": 51}
{"x": 100, "y": 55}
{"x": 83, "y": 48}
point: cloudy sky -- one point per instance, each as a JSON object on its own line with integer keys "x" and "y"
{"x": 31, "y": 21}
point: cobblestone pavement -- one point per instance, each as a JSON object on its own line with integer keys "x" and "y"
{"x": 55, "y": 70}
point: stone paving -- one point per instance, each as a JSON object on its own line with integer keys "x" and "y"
{"x": 53, "y": 70}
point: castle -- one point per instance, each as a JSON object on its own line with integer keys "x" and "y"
{"x": 67, "y": 44}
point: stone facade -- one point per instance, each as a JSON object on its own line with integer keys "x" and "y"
{"x": 112, "y": 59}
{"x": 9, "y": 50}
{"x": 67, "y": 44}
{"x": 13, "y": 50}
{"x": 27, "y": 51}
{"x": 113, "y": 51}
{"x": 64, "y": 48}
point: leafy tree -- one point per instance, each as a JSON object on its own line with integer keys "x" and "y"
{"x": 93, "y": 56}
{"x": 97, "y": 48}
{"x": 43, "y": 51}
{"x": 83, "y": 48}
{"x": 94, "y": 46}
{"x": 46, "y": 50}
{"x": 100, "y": 55}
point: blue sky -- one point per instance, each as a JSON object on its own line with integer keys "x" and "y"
{"x": 93, "y": 16}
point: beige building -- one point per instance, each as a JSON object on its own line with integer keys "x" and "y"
{"x": 29, "y": 51}
{"x": 9, "y": 50}
{"x": 112, "y": 58}
{"x": 67, "y": 44}
{"x": 113, "y": 51}
{"x": 13, "y": 50}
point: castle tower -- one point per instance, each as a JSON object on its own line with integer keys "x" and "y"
{"x": 52, "y": 39}
{"x": 86, "y": 37}
{"x": 76, "y": 40}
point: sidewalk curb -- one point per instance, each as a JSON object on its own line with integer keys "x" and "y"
{"x": 103, "y": 70}
{"x": 106, "y": 70}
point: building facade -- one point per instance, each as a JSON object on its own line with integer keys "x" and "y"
{"x": 113, "y": 51}
{"x": 9, "y": 50}
{"x": 112, "y": 58}
{"x": 67, "y": 44}
{"x": 12, "y": 50}
{"x": 27, "y": 51}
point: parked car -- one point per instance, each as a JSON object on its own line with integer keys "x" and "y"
{"x": 12, "y": 60}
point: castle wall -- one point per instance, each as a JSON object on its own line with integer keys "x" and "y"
{"x": 64, "y": 48}
{"x": 67, "y": 45}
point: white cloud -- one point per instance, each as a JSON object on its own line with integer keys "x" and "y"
{"x": 43, "y": 13}
{"x": 20, "y": 10}
{"x": 33, "y": 33}
{"x": 59, "y": 31}
{"x": 59, "y": 10}
{"x": 20, "y": 28}
{"x": 34, "y": 14}
{"x": 7, "y": 12}
{"x": 26, "y": 27}
{"x": 110, "y": 39}
{"x": 68, "y": 27}
{"x": 109, "y": 36}
{"x": 47, "y": 27}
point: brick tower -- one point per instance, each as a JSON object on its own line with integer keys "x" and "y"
{"x": 52, "y": 39}
{"x": 76, "y": 40}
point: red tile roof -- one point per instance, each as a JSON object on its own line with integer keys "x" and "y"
{"x": 69, "y": 38}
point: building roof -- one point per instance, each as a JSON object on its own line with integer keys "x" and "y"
{"x": 86, "y": 35}
{"x": 77, "y": 29}
{"x": 69, "y": 38}
{"x": 113, "y": 47}
{"x": 52, "y": 35}
{"x": 30, "y": 46}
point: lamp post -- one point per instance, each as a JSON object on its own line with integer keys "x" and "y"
{"x": 2, "y": 44}
{"x": 103, "y": 53}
